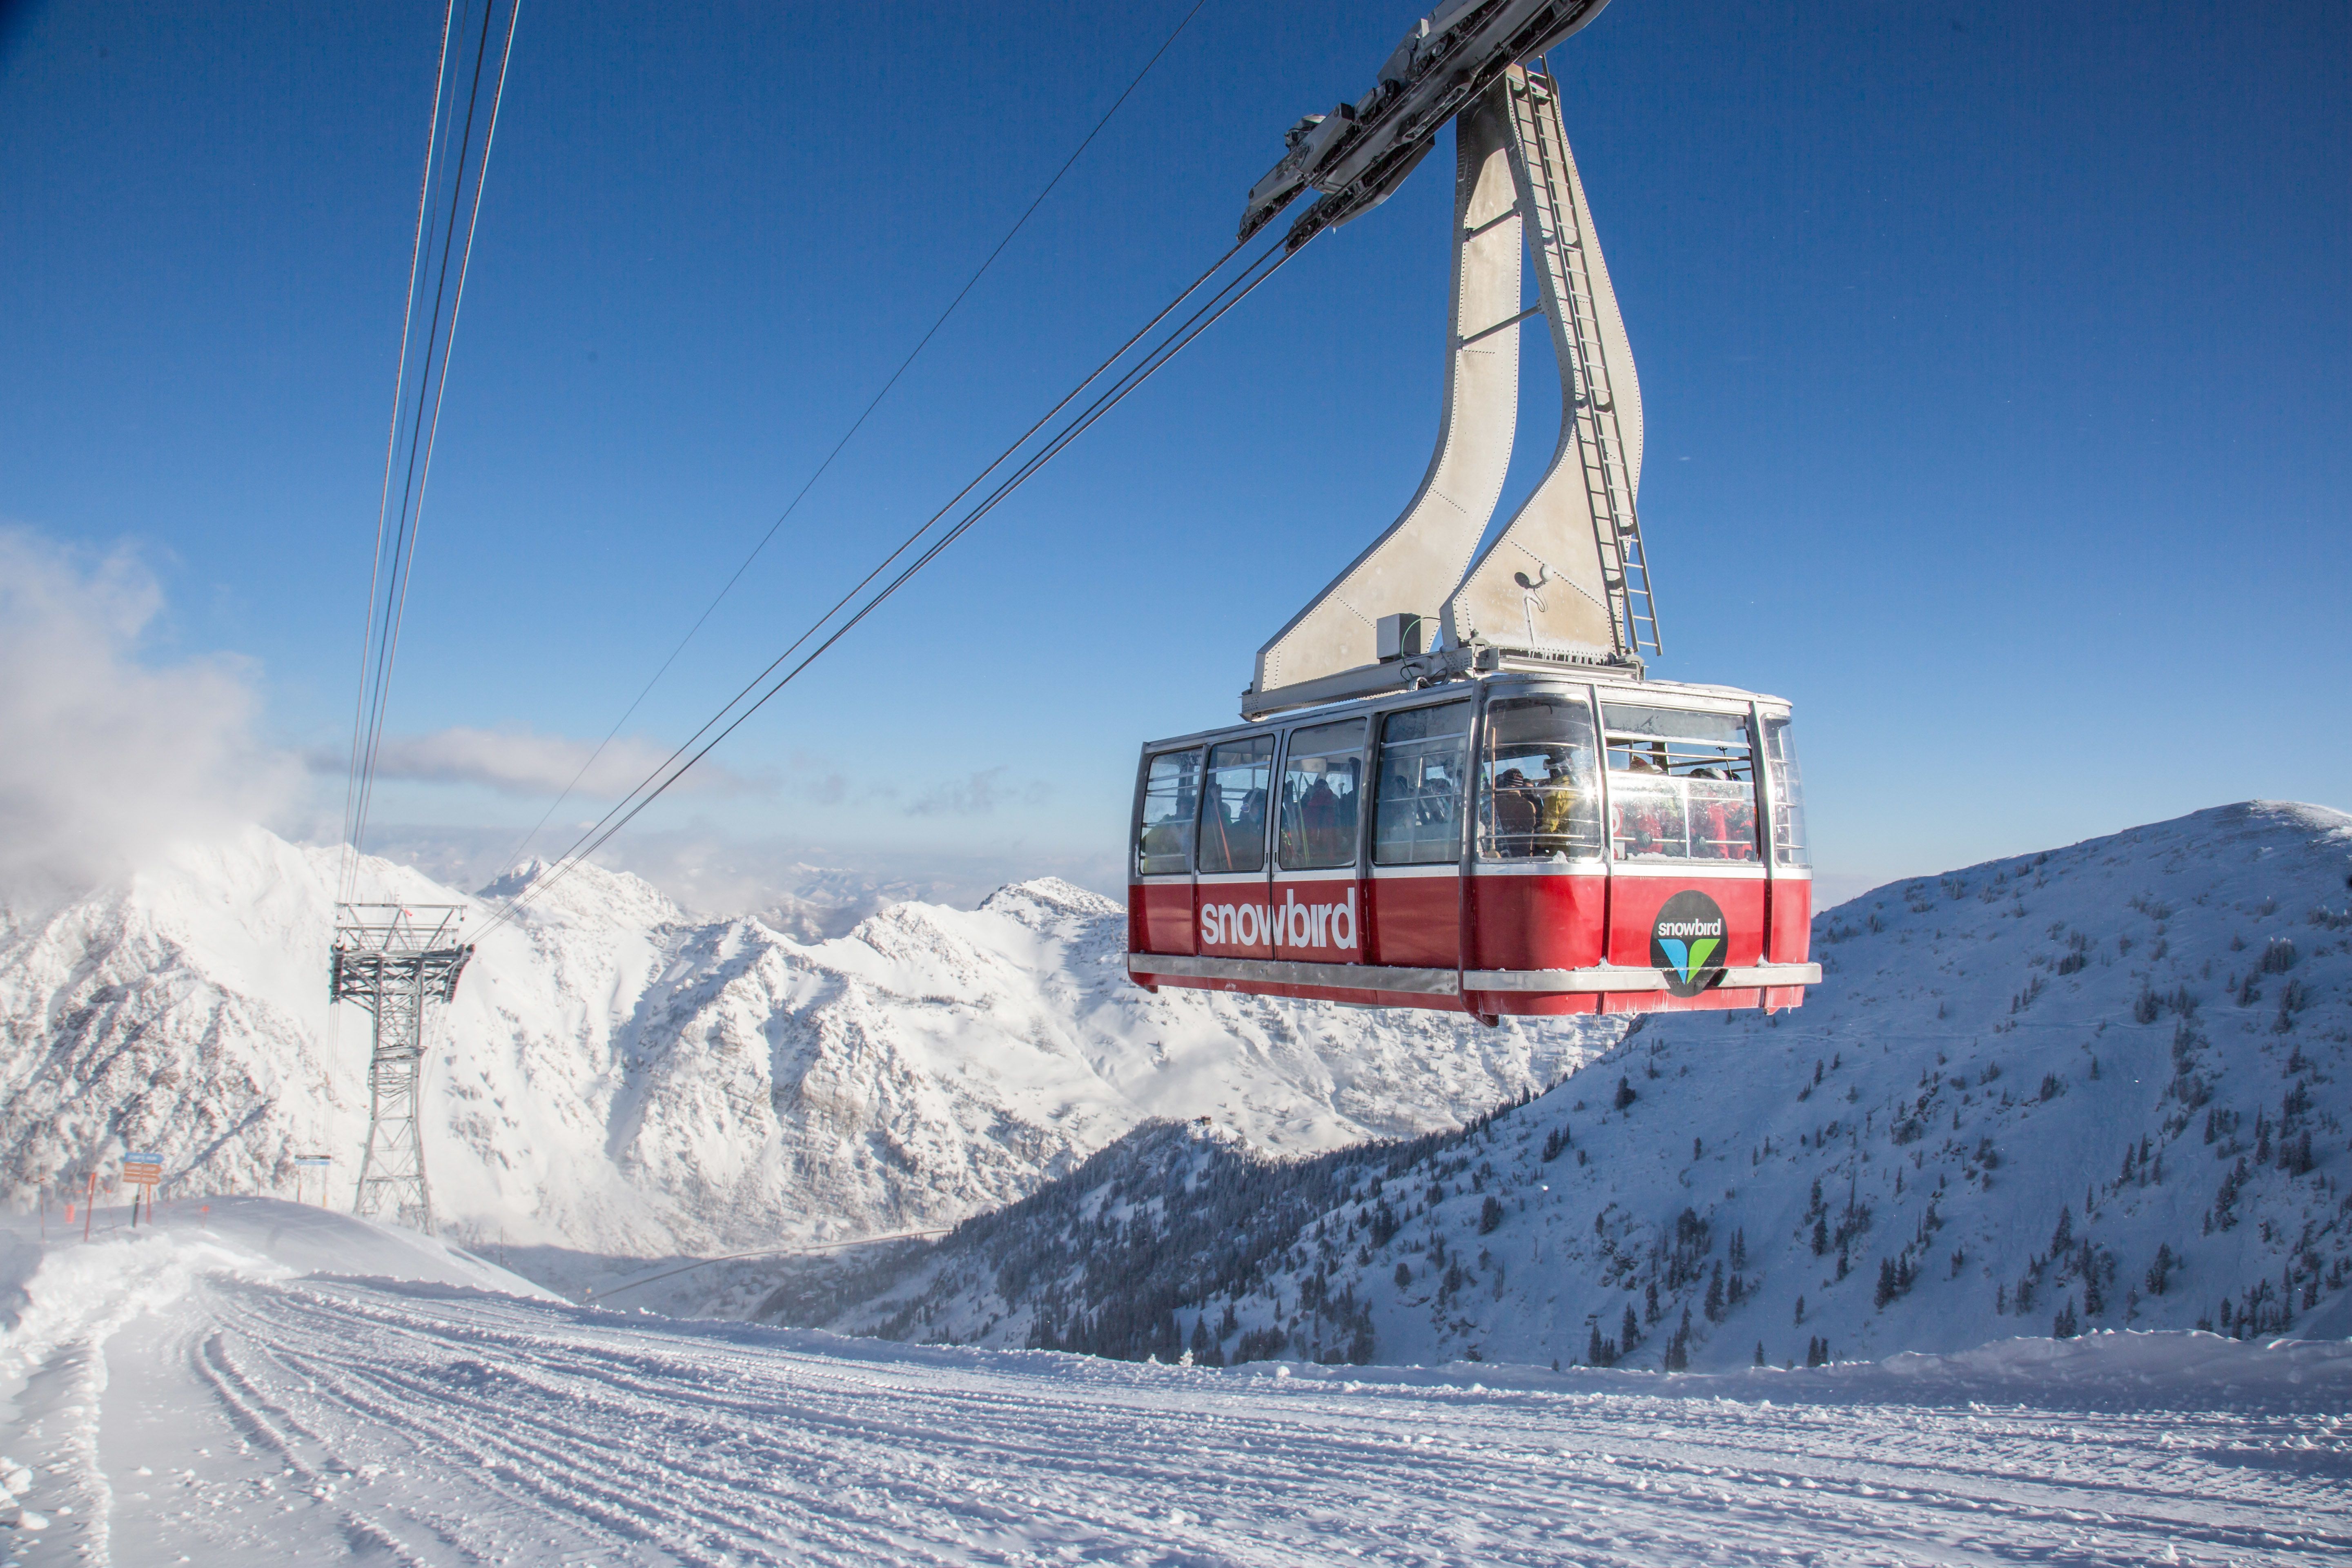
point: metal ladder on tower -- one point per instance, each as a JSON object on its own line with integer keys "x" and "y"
{"x": 1557, "y": 243}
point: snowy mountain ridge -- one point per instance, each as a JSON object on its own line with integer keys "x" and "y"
{"x": 618, "y": 1075}
{"x": 2102, "y": 1087}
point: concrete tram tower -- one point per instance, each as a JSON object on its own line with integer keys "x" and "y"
{"x": 392, "y": 959}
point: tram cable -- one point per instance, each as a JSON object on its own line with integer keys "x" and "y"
{"x": 410, "y": 451}
{"x": 1260, "y": 268}
{"x": 514, "y": 855}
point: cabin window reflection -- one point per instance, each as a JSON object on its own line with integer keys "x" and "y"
{"x": 1233, "y": 802}
{"x": 1787, "y": 793}
{"x": 1539, "y": 785}
{"x": 1321, "y": 787}
{"x": 1417, "y": 816}
{"x": 1682, "y": 785}
{"x": 1171, "y": 793}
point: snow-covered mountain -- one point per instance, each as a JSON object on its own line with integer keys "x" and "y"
{"x": 2101, "y": 1087}
{"x": 616, "y": 1076}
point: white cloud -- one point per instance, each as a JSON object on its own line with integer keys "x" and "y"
{"x": 104, "y": 759}
{"x": 521, "y": 762}
{"x": 978, "y": 794}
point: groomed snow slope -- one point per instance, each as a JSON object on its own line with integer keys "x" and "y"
{"x": 2017, "y": 1087}
{"x": 619, "y": 1077}
{"x": 266, "y": 1385}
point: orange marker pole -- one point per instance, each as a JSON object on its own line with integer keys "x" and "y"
{"x": 89, "y": 1201}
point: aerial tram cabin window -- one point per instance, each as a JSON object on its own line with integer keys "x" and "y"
{"x": 1322, "y": 779}
{"x": 1787, "y": 793}
{"x": 1171, "y": 795}
{"x": 1417, "y": 816}
{"x": 1540, "y": 784}
{"x": 1233, "y": 805}
{"x": 1682, "y": 784}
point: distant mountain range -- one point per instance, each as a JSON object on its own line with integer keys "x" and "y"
{"x": 2104, "y": 1086}
{"x": 616, "y": 1076}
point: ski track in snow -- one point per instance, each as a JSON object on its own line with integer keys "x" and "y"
{"x": 256, "y": 1416}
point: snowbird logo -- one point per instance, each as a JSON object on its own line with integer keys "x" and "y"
{"x": 1688, "y": 944}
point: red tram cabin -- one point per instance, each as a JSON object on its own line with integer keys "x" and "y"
{"x": 1531, "y": 845}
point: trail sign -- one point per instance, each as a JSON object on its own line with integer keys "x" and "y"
{"x": 142, "y": 1169}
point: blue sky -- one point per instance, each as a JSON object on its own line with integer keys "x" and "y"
{"x": 1995, "y": 363}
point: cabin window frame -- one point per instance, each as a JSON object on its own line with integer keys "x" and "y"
{"x": 1783, "y": 775}
{"x": 1683, "y": 767}
{"x": 1484, "y": 850}
{"x": 1361, "y": 756}
{"x": 1189, "y": 822}
{"x": 1467, "y": 702}
{"x": 1272, "y": 740}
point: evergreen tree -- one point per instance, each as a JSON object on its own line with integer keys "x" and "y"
{"x": 1677, "y": 1357}
{"x": 1630, "y": 1334}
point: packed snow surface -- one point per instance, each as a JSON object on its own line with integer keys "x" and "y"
{"x": 268, "y": 1384}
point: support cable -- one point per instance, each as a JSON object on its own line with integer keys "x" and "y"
{"x": 514, "y": 855}
{"x": 383, "y": 626}
{"x": 391, "y": 449}
{"x": 656, "y": 783}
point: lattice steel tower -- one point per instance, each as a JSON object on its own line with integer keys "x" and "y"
{"x": 392, "y": 959}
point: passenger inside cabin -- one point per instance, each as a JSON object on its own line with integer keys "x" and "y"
{"x": 1218, "y": 838}
{"x": 1710, "y": 833}
{"x": 1320, "y": 825}
{"x": 1649, "y": 817}
{"x": 1249, "y": 826}
{"x": 1555, "y": 801}
{"x": 1516, "y": 815}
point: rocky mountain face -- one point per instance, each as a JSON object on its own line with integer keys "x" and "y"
{"x": 2103, "y": 1087}
{"x": 618, "y": 1075}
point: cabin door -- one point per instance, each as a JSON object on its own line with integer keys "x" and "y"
{"x": 1317, "y": 903}
{"x": 1421, "y": 778}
